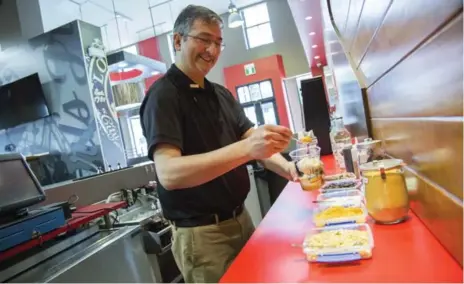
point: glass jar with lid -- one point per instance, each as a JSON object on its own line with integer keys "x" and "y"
{"x": 386, "y": 194}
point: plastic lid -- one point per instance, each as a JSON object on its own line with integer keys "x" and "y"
{"x": 340, "y": 241}
{"x": 385, "y": 164}
{"x": 339, "y": 212}
{"x": 368, "y": 142}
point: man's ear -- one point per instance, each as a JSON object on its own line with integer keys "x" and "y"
{"x": 177, "y": 39}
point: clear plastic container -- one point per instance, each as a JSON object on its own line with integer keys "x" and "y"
{"x": 306, "y": 139}
{"x": 341, "y": 243}
{"x": 342, "y": 196}
{"x": 341, "y": 176}
{"x": 338, "y": 213}
{"x": 310, "y": 167}
{"x": 341, "y": 185}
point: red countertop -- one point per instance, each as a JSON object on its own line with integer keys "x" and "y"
{"x": 406, "y": 252}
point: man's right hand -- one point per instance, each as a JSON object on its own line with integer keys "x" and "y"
{"x": 267, "y": 140}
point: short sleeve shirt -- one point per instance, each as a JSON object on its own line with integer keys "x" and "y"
{"x": 197, "y": 120}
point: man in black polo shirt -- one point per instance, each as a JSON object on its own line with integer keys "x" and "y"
{"x": 200, "y": 141}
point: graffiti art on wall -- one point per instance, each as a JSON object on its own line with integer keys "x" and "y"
{"x": 69, "y": 136}
{"x": 102, "y": 99}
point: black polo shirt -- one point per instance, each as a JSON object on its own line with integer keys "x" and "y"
{"x": 196, "y": 120}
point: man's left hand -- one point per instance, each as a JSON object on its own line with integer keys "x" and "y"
{"x": 292, "y": 174}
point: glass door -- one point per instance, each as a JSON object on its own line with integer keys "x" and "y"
{"x": 258, "y": 102}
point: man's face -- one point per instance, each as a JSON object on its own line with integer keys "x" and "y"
{"x": 200, "y": 48}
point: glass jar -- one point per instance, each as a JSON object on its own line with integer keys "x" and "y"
{"x": 387, "y": 199}
{"x": 340, "y": 137}
{"x": 309, "y": 166}
{"x": 369, "y": 150}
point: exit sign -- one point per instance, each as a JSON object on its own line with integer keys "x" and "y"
{"x": 250, "y": 69}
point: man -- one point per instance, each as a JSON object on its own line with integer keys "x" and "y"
{"x": 200, "y": 141}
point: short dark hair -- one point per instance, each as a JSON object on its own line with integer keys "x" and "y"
{"x": 189, "y": 14}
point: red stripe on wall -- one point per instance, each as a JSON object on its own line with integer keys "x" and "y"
{"x": 271, "y": 67}
{"x": 150, "y": 48}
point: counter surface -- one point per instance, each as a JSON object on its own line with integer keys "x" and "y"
{"x": 405, "y": 252}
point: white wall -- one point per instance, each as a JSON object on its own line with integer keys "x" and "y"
{"x": 287, "y": 43}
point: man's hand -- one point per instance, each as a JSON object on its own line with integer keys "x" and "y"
{"x": 292, "y": 173}
{"x": 267, "y": 140}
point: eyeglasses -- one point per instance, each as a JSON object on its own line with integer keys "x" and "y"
{"x": 207, "y": 42}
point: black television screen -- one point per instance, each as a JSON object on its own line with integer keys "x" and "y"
{"x": 22, "y": 101}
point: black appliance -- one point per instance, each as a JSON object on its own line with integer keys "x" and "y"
{"x": 19, "y": 187}
{"x": 22, "y": 101}
{"x": 316, "y": 112}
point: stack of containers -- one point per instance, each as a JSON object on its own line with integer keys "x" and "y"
{"x": 340, "y": 231}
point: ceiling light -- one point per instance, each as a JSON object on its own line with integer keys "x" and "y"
{"x": 308, "y": 18}
{"x": 312, "y": 33}
{"x": 122, "y": 64}
{"x": 235, "y": 19}
{"x": 316, "y": 57}
{"x": 154, "y": 73}
{"x": 314, "y": 46}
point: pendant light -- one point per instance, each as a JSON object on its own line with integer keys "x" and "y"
{"x": 235, "y": 19}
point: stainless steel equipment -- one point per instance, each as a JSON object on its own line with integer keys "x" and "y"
{"x": 135, "y": 247}
{"x": 125, "y": 254}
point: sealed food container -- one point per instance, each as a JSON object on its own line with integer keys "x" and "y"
{"x": 342, "y": 196}
{"x": 341, "y": 176}
{"x": 339, "y": 243}
{"x": 339, "y": 185}
{"x": 338, "y": 213}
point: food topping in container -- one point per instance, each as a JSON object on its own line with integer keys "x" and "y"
{"x": 339, "y": 243}
{"x": 338, "y": 239}
{"x": 340, "y": 177}
{"x": 341, "y": 185}
{"x": 309, "y": 166}
{"x": 343, "y": 196}
{"x": 330, "y": 213}
{"x": 306, "y": 139}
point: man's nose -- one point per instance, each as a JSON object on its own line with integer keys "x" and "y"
{"x": 213, "y": 49}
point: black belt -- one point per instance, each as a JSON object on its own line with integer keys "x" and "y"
{"x": 208, "y": 219}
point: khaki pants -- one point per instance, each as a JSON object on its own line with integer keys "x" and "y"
{"x": 204, "y": 253}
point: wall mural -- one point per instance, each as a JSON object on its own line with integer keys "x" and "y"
{"x": 69, "y": 136}
{"x": 102, "y": 99}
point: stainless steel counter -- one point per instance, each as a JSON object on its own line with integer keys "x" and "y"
{"x": 128, "y": 254}
{"x": 107, "y": 256}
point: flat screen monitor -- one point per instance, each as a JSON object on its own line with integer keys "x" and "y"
{"x": 19, "y": 187}
{"x": 22, "y": 101}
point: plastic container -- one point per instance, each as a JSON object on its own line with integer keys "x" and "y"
{"x": 310, "y": 167}
{"x": 339, "y": 243}
{"x": 339, "y": 213}
{"x": 342, "y": 196}
{"x": 340, "y": 185}
{"x": 306, "y": 139}
{"x": 341, "y": 176}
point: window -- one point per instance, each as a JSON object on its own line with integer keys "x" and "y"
{"x": 257, "y": 28}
